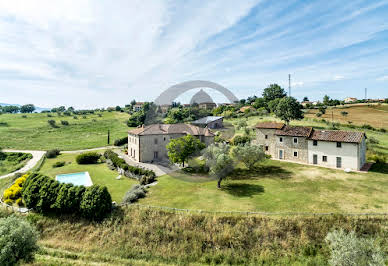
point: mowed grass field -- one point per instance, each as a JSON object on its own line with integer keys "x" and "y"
{"x": 34, "y": 133}
{"x": 375, "y": 115}
{"x": 275, "y": 187}
{"x": 99, "y": 173}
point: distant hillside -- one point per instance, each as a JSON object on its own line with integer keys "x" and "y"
{"x": 37, "y": 109}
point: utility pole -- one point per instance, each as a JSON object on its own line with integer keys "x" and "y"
{"x": 289, "y": 85}
{"x": 366, "y": 94}
{"x": 108, "y": 137}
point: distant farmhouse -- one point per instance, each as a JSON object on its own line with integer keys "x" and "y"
{"x": 210, "y": 122}
{"x": 350, "y": 100}
{"x": 137, "y": 106}
{"x": 207, "y": 105}
{"x": 148, "y": 143}
{"x": 330, "y": 148}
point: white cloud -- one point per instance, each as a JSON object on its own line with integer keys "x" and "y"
{"x": 338, "y": 77}
{"x": 297, "y": 84}
{"x": 383, "y": 78}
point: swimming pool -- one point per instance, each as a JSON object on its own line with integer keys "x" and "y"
{"x": 77, "y": 179}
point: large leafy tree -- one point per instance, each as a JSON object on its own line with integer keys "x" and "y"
{"x": 27, "y": 108}
{"x": 249, "y": 155}
{"x": 273, "y": 92}
{"x": 180, "y": 149}
{"x": 219, "y": 161}
{"x": 289, "y": 109}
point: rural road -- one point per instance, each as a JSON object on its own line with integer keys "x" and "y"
{"x": 36, "y": 156}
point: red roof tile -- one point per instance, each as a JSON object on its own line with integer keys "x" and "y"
{"x": 165, "y": 129}
{"x": 270, "y": 125}
{"x": 338, "y": 136}
{"x": 294, "y": 131}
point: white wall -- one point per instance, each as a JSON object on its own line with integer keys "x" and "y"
{"x": 349, "y": 154}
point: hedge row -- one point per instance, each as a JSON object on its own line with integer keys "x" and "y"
{"x": 46, "y": 195}
{"x": 120, "y": 163}
{"x": 88, "y": 158}
{"x": 122, "y": 141}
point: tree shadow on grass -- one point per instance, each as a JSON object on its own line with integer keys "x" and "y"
{"x": 381, "y": 168}
{"x": 243, "y": 190}
{"x": 267, "y": 171}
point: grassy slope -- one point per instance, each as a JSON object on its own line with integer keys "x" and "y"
{"x": 11, "y": 166}
{"x": 374, "y": 115}
{"x": 99, "y": 173}
{"x": 147, "y": 236}
{"x": 34, "y": 132}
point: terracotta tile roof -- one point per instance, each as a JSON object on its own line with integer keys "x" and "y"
{"x": 294, "y": 131}
{"x": 338, "y": 136}
{"x": 165, "y": 129}
{"x": 270, "y": 125}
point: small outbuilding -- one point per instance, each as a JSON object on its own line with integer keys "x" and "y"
{"x": 212, "y": 122}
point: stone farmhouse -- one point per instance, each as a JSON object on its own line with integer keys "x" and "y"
{"x": 329, "y": 148}
{"x": 210, "y": 122}
{"x": 148, "y": 143}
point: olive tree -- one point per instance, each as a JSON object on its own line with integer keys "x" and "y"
{"x": 249, "y": 155}
{"x": 17, "y": 241}
{"x": 348, "y": 249}
{"x": 219, "y": 161}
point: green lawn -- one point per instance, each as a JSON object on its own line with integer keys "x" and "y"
{"x": 35, "y": 133}
{"x": 275, "y": 187}
{"x": 100, "y": 174}
{"x": 10, "y": 165}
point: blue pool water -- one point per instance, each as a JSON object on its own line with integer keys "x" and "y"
{"x": 77, "y": 179}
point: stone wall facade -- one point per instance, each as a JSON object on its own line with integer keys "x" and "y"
{"x": 152, "y": 148}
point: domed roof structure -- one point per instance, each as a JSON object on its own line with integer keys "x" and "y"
{"x": 201, "y": 97}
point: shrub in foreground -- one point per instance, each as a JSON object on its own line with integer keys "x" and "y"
{"x": 136, "y": 192}
{"x": 18, "y": 241}
{"x": 96, "y": 203}
{"x": 348, "y": 249}
{"x": 88, "y": 158}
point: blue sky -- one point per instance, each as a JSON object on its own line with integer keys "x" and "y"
{"x": 103, "y": 53}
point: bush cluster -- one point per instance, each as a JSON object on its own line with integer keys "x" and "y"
{"x": 88, "y": 158}
{"x": 122, "y": 141}
{"x": 14, "y": 193}
{"x": 64, "y": 122}
{"x": 136, "y": 192}
{"x": 46, "y": 195}
{"x": 147, "y": 175}
{"x": 52, "y": 153}
{"x": 240, "y": 140}
{"x": 59, "y": 164}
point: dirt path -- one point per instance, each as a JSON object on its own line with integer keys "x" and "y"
{"x": 36, "y": 156}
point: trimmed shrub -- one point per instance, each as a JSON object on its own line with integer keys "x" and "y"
{"x": 48, "y": 195}
{"x": 18, "y": 241}
{"x": 136, "y": 192}
{"x": 58, "y": 164}
{"x": 118, "y": 162}
{"x": 122, "y": 141}
{"x": 31, "y": 188}
{"x": 96, "y": 203}
{"x": 88, "y": 158}
{"x": 52, "y": 153}
{"x": 64, "y": 122}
